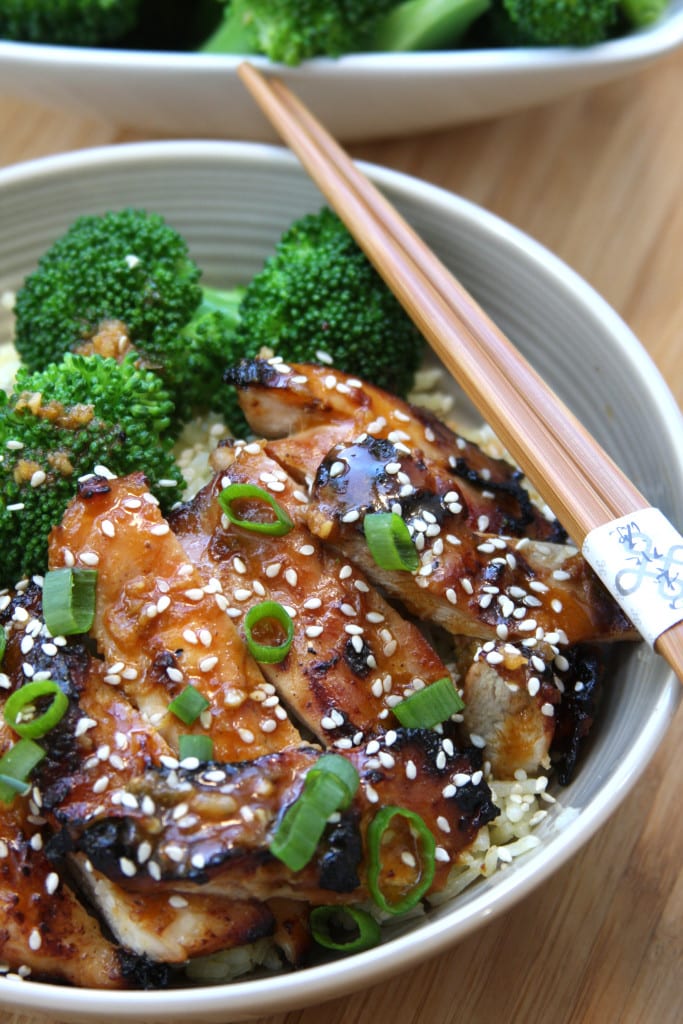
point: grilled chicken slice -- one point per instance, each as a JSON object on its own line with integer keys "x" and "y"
{"x": 100, "y": 746}
{"x": 161, "y": 627}
{"x": 471, "y": 584}
{"x": 173, "y": 927}
{"x": 45, "y": 932}
{"x": 531, "y": 710}
{"x": 353, "y": 657}
{"x": 211, "y": 826}
{"x": 328, "y": 408}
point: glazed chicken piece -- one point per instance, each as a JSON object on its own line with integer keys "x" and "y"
{"x": 208, "y": 829}
{"x": 532, "y": 710}
{"x": 473, "y": 580}
{"x": 161, "y": 627}
{"x": 100, "y": 746}
{"x": 471, "y": 584}
{"x": 320, "y": 408}
{"x": 353, "y": 657}
{"x": 46, "y": 933}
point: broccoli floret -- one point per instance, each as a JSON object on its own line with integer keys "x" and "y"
{"x": 564, "y": 22}
{"x": 126, "y": 279}
{"x": 318, "y": 298}
{"x": 61, "y": 423}
{"x": 290, "y": 31}
{"x": 67, "y": 22}
{"x": 643, "y": 12}
{"x": 426, "y": 24}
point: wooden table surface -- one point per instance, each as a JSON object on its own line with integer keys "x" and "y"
{"x": 598, "y": 178}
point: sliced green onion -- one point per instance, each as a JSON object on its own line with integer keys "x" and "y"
{"x": 426, "y": 708}
{"x": 250, "y": 492}
{"x": 188, "y": 705}
{"x": 266, "y": 653}
{"x": 326, "y": 790}
{"x": 69, "y": 600}
{"x": 345, "y": 772}
{"x": 198, "y": 746}
{"x": 3, "y": 642}
{"x": 16, "y": 764}
{"x": 23, "y": 699}
{"x": 344, "y": 928}
{"x": 425, "y": 861}
{"x": 389, "y": 541}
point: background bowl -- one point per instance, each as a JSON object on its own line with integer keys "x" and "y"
{"x": 231, "y": 200}
{"x": 357, "y": 97}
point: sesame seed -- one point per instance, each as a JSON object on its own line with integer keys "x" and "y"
{"x": 443, "y": 824}
{"x": 206, "y": 664}
{"x": 52, "y": 883}
{"x": 351, "y": 517}
{"x": 108, "y": 528}
{"x": 35, "y": 939}
{"x": 548, "y": 710}
{"x": 194, "y": 594}
{"x": 89, "y": 558}
{"x": 127, "y": 866}
{"x": 313, "y": 631}
{"x": 246, "y": 735}
{"x": 174, "y": 674}
{"x": 175, "y": 852}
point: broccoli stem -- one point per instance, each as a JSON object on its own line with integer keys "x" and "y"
{"x": 233, "y": 35}
{"x": 426, "y": 24}
{"x": 221, "y": 300}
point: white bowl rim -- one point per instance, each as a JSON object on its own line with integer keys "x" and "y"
{"x": 320, "y": 983}
{"x": 664, "y": 35}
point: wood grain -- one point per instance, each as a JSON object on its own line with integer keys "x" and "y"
{"x": 598, "y": 178}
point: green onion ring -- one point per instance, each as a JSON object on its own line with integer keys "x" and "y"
{"x": 16, "y": 764}
{"x": 427, "y": 707}
{"x": 367, "y": 930}
{"x": 268, "y": 654}
{"x": 234, "y": 492}
{"x": 378, "y": 826}
{"x": 3, "y": 642}
{"x": 24, "y": 697}
{"x": 69, "y": 600}
{"x": 389, "y": 541}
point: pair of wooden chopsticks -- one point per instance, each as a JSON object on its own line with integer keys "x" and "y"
{"x": 573, "y": 474}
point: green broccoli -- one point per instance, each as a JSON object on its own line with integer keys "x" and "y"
{"x": 426, "y": 24}
{"x": 290, "y": 31}
{"x": 61, "y": 423}
{"x": 643, "y": 12}
{"x": 68, "y": 22}
{"x": 564, "y": 22}
{"x": 318, "y": 298}
{"x": 124, "y": 280}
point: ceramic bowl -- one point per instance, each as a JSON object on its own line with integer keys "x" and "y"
{"x": 232, "y": 200}
{"x": 361, "y": 96}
